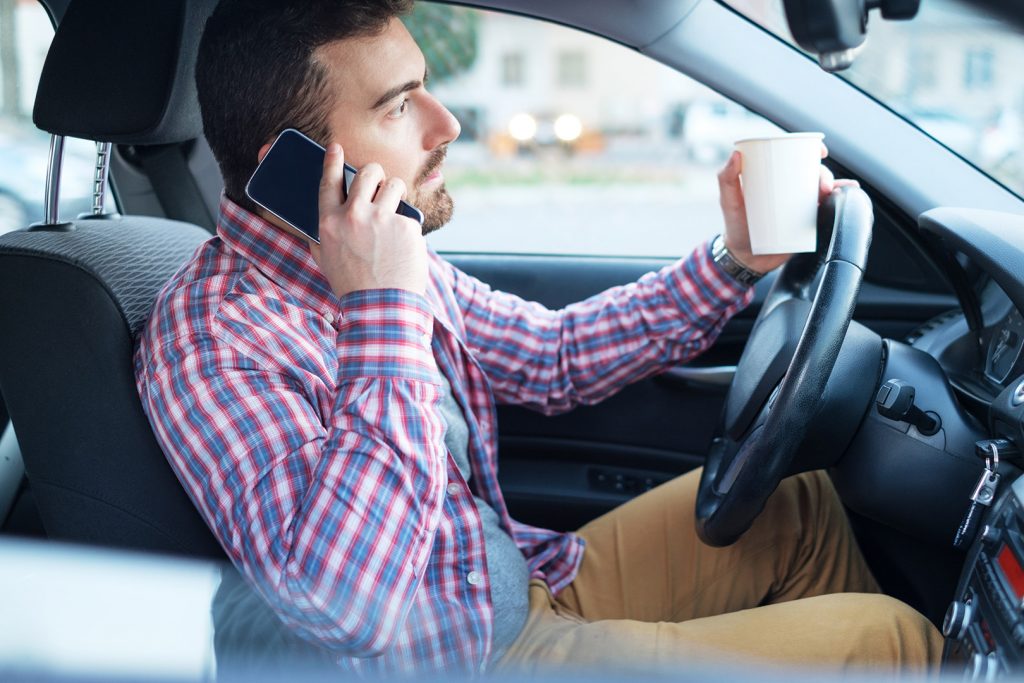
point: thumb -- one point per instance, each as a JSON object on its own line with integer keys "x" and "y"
{"x": 314, "y": 251}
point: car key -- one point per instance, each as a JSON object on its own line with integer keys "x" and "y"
{"x": 982, "y": 497}
{"x": 1006, "y": 449}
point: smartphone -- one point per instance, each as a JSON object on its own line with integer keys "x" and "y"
{"x": 287, "y": 183}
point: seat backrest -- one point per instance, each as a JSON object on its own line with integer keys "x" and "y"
{"x": 74, "y": 296}
{"x": 72, "y": 304}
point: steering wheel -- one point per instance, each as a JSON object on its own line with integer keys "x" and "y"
{"x": 783, "y": 371}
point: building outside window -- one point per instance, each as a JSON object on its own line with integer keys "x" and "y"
{"x": 572, "y": 71}
{"x": 512, "y": 69}
{"x": 921, "y": 70}
{"x": 978, "y": 68}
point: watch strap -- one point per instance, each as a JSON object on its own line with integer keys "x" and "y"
{"x": 726, "y": 261}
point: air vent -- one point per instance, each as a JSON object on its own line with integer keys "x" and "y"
{"x": 933, "y": 324}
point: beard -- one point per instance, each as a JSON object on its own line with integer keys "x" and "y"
{"x": 437, "y": 209}
{"x": 437, "y": 205}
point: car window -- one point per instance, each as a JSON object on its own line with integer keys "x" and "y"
{"x": 25, "y": 36}
{"x": 572, "y": 144}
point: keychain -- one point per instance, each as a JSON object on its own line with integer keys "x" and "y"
{"x": 982, "y": 497}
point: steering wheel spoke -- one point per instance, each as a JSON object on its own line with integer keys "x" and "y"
{"x": 782, "y": 375}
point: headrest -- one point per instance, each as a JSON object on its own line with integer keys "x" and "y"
{"x": 122, "y": 71}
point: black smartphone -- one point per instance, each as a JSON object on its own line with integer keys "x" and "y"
{"x": 287, "y": 183}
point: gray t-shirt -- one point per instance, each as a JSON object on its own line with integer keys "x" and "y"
{"x": 506, "y": 566}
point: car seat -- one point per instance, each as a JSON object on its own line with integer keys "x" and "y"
{"x": 74, "y": 295}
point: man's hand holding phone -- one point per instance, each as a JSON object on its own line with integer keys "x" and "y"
{"x": 364, "y": 244}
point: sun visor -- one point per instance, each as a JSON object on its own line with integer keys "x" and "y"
{"x": 122, "y": 71}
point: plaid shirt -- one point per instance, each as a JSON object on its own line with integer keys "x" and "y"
{"x": 306, "y": 427}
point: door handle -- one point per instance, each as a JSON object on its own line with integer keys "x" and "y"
{"x": 714, "y": 377}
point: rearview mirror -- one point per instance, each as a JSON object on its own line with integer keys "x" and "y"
{"x": 834, "y": 29}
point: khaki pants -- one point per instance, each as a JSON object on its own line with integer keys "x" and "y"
{"x": 793, "y": 591}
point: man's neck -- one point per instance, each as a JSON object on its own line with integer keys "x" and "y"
{"x": 281, "y": 225}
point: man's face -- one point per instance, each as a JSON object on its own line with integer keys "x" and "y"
{"x": 382, "y": 113}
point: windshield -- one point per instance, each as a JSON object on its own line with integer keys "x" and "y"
{"x": 954, "y": 71}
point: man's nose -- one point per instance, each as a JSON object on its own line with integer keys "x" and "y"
{"x": 443, "y": 127}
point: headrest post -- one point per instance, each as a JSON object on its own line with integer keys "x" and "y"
{"x": 99, "y": 183}
{"x": 52, "y": 201}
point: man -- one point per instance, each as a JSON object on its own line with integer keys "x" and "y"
{"x": 330, "y": 409}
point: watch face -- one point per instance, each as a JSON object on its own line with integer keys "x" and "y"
{"x": 746, "y": 277}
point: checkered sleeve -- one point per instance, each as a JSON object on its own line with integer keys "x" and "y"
{"x": 328, "y": 503}
{"x": 553, "y": 360}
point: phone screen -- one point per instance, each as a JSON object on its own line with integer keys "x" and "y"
{"x": 287, "y": 183}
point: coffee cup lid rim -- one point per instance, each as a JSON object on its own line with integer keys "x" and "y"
{"x": 782, "y": 136}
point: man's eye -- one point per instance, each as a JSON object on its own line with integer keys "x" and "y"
{"x": 399, "y": 110}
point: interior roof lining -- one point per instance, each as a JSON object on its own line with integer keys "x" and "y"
{"x": 657, "y": 16}
{"x": 633, "y": 23}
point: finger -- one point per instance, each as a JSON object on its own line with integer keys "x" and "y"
{"x": 390, "y": 193}
{"x": 729, "y": 181}
{"x": 824, "y": 150}
{"x": 367, "y": 179}
{"x": 826, "y": 182}
{"x": 330, "y": 181}
{"x": 847, "y": 182}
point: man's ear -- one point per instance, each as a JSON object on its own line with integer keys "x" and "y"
{"x": 263, "y": 152}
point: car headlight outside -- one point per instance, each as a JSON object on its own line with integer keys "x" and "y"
{"x": 568, "y": 127}
{"x": 522, "y": 127}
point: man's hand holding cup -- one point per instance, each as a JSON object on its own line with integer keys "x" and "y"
{"x": 770, "y": 189}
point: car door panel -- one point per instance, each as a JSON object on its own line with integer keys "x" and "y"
{"x": 563, "y": 470}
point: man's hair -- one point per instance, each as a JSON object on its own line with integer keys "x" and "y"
{"x": 256, "y": 73}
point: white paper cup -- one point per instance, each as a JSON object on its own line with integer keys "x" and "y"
{"x": 780, "y": 179}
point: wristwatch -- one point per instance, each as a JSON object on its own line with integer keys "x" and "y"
{"x": 739, "y": 272}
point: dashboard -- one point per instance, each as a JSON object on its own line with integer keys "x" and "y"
{"x": 984, "y": 624}
{"x": 981, "y": 366}
{"x": 1003, "y": 360}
